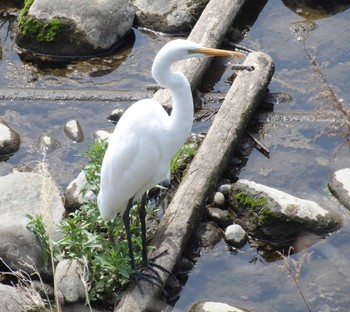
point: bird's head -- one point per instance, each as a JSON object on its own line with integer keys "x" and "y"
{"x": 182, "y": 49}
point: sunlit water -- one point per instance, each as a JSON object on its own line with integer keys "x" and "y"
{"x": 301, "y": 159}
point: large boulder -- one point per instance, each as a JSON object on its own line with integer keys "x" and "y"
{"x": 27, "y": 193}
{"x": 276, "y": 215}
{"x": 73, "y": 27}
{"x": 169, "y": 16}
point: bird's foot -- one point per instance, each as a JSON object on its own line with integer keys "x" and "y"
{"x": 152, "y": 266}
{"x": 152, "y": 276}
{"x": 149, "y": 278}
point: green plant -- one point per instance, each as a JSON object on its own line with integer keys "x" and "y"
{"x": 101, "y": 246}
{"x": 36, "y": 225}
{"x": 183, "y": 157}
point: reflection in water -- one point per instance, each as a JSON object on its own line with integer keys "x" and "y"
{"x": 316, "y": 9}
{"x": 97, "y": 66}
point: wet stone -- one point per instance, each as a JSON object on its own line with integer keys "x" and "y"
{"x": 73, "y": 131}
{"x": 276, "y": 215}
{"x": 207, "y": 235}
{"x": 339, "y": 185}
{"x": 219, "y": 216}
{"x": 302, "y": 29}
{"x": 102, "y": 135}
{"x": 115, "y": 115}
{"x": 212, "y": 306}
{"x": 47, "y": 144}
{"x": 219, "y": 200}
{"x": 224, "y": 189}
{"x": 235, "y": 235}
{"x": 9, "y": 140}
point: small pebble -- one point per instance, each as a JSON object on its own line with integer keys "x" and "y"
{"x": 219, "y": 199}
{"x": 235, "y": 235}
{"x": 115, "y": 115}
{"x": 219, "y": 216}
{"x": 73, "y": 131}
{"x": 224, "y": 189}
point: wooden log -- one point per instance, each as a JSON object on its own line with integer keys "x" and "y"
{"x": 186, "y": 208}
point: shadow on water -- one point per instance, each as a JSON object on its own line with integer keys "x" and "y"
{"x": 300, "y": 134}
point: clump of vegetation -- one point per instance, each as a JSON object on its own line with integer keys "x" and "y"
{"x": 101, "y": 246}
{"x": 250, "y": 202}
{"x": 35, "y": 29}
{"x": 183, "y": 157}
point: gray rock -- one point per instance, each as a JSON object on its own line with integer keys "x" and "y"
{"x": 219, "y": 200}
{"x": 277, "y": 215}
{"x": 212, "y": 306}
{"x": 13, "y": 299}
{"x": 235, "y": 235}
{"x": 73, "y": 131}
{"x": 84, "y": 27}
{"x": 219, "y": 216}
{"x": 115, "y": 115}
{"x": 69, "y": 278}
{"x": 47, "y": 144}
{"x": 102, "y": 135}
{"x": 25, "y": 193}
{"x": 9, "y": 140}
{"x": 169, "y": 16}
{"x": 207, "y": 235}
{"x": 73, "y": 196}
{"x": 339, "y": 185}
{"x": 224, "y": 189}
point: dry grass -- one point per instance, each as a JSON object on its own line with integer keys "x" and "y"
{"x": 292, "y": 268}
{"x": 25, "y": 286}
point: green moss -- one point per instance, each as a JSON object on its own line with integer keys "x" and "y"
{"x": 246, "y": 200}
{"x": 35, "y": 29}
{"x": 257, "y": 208}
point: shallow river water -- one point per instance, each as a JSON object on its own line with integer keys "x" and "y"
{"x": 305, "y": 141}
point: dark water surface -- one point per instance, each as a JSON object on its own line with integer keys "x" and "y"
{"x": 302, "y": 159}
{"x": 303, "y": 155}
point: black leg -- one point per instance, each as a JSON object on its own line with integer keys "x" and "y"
{"x": 126, "y": 220}
{"x": 142, "y": 213}
{"x": 149, "y": 263}
{"x": 155, "y": 280}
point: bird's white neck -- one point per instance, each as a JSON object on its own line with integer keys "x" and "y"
{"x": 181, "y": 118}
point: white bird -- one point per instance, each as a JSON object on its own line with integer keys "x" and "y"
{"x": 145, "y": 140}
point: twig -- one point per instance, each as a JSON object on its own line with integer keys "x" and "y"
{"x": 259, "y": 146}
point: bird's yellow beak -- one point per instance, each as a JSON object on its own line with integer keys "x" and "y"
{"x": 216, "y": 52}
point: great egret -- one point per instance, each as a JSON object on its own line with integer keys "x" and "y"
{"x": 145, "y": 140}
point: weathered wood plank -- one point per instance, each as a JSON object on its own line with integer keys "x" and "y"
{"x": 186, "y": 208}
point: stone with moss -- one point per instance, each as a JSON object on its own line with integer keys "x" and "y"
{"x": 72, "y": 28}
{"x": 276, "y": 215}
